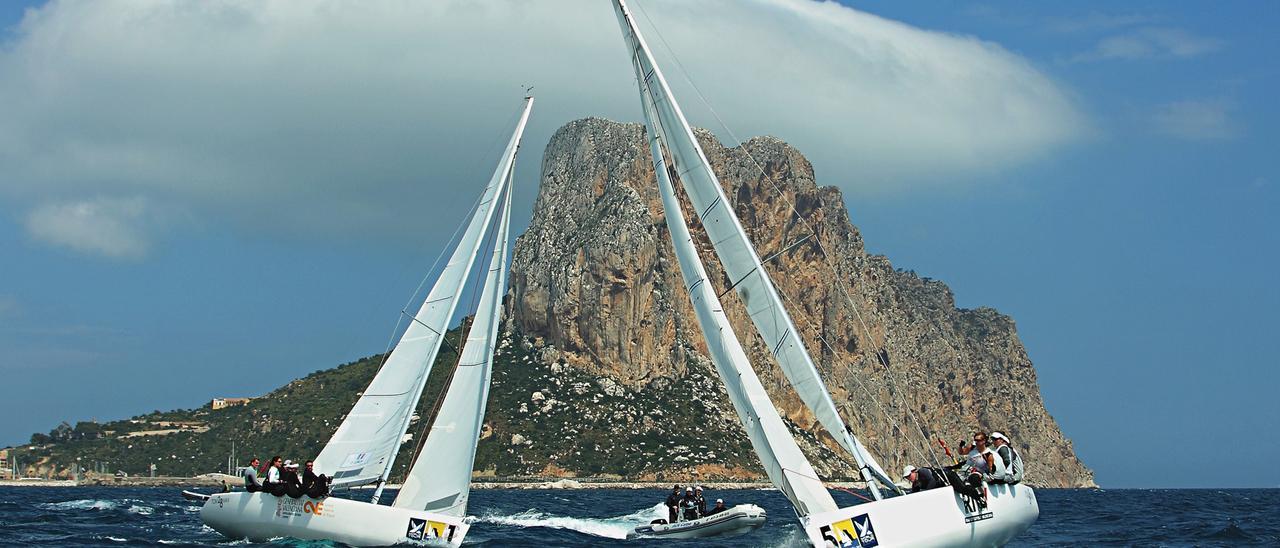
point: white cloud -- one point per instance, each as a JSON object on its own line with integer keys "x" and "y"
{"x": 1151, "y": 43}
{"x": 1195, "y": 120}
{"x": 371, "y": 118}
{"x": 109, "y": 227}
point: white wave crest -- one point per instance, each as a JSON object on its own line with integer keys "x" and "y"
{"x": 618, "y": 527}
{"x": 82, "y": 504}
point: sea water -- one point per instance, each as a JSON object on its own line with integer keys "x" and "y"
{"x": 110, "y": 516}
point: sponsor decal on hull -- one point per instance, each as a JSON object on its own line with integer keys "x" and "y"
{"x": 288, "y": 507}
{"x": 425, "y": 529}
{"x": 854, "y": 532}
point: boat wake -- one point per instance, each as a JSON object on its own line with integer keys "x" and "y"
{"x": 618, "y": 527}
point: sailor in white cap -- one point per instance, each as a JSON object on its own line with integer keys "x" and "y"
{"x": 1010, "y": 459}
{"x": 719, "y": 507}
{"x": 921, "y": 478}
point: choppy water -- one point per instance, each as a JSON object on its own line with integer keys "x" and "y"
{"x": 98, "y": 516}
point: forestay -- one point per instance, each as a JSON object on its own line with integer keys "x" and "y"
{"x": 364, "y": 446}
{"x": 440, "y": 480}
{"x": 736, "y": 254}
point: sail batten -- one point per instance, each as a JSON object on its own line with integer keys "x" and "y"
{"x": 363, "y": 448}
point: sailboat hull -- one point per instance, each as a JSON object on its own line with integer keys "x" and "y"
{"x": 938, "y": 517}
{"x": 262, "y": 516}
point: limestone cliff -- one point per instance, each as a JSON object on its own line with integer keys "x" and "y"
{"x": 594, "y": 279}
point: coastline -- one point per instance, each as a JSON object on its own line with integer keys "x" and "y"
{"x": 215, "y": 480}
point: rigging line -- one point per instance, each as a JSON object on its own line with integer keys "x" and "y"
{"x": 857, "y": 313}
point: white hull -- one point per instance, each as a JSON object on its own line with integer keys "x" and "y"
{"x": 740, "y": 519}
{"x": 262, "y": 516}
{"x": 938, "y": 517}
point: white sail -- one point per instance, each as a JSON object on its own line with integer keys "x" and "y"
{"x": 782, "y": 459}
{"x": 440, "y": 480}
{"x": 734, "y": 249}
{"x": 365, "y": 444}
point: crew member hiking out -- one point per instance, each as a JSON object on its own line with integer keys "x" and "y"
{"x": 1010, "y": 458}
{"x": 251, "y": 483}
{"x": 314, "y": 485}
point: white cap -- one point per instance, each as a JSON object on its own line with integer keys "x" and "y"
{"x": 719, "y": 501}
{"x": 699, "y": 488}
{"x": 688, "y": 489}
{"x": 908, "y": 470}
{"x": 999, "y": 436}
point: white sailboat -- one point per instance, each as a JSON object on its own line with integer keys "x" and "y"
{"x": 940, "y": 517}
{"x": 431, "y": 506}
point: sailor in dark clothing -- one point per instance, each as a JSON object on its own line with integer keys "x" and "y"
{"x": 314, "y": 485}
{"x": 689, "y": 505}
{"x": 673, "y": 504}
{"x": 922, "y": 479}
{"x": 289, "y": 477}
{"x": 719, "y": 507}
{"x": 700, "y": 502}
{"x": 251, "y": 483}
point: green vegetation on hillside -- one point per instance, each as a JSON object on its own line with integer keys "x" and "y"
{"x": 544, "y": 418}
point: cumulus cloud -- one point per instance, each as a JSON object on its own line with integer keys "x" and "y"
{"x": 1195, "y": 120}
{"x": 376, "y": 118}
{"x": 1149, "y": 43}
{"x": 108, "y": 227}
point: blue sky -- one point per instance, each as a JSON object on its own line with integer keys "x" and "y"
{"x": 1103, "y": 173}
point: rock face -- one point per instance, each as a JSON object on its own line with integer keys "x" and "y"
{"x": 595, "y": 280}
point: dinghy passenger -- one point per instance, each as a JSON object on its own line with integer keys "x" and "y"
{"x": 688, "y": 505}
{"x": 699, "y": 501}
{"x": 673, "y": 505}
{"x": 922, "y": 479}
{"x": 251, "y": 483}
{"x": 273, "y": 485}
{"x": 719, "y": 507}
{"x": 1010, "y": 458}
{"x": 314, "y": 485}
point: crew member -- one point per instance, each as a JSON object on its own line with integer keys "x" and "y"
{"x": 719, "y": 507}
{"x": 273, "y": 485}
{"x": 922, "y": 479}
{"x": 673, "y": 505}
{"x": 314, "y": 485}
{"x": 289, "y": 477}
{"x": 689, "y": 505}
{"x": 699, "y": 501}
{"x": 1009, "y": 457}
{"x": 251, "y": 483}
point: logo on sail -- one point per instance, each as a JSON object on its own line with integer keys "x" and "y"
{"x": 355, "y": 459}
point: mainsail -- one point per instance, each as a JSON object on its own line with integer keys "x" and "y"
{"x": 364, "y": 447}
{"x": 734, "y": 249}
{"x": 440, "y": 480}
